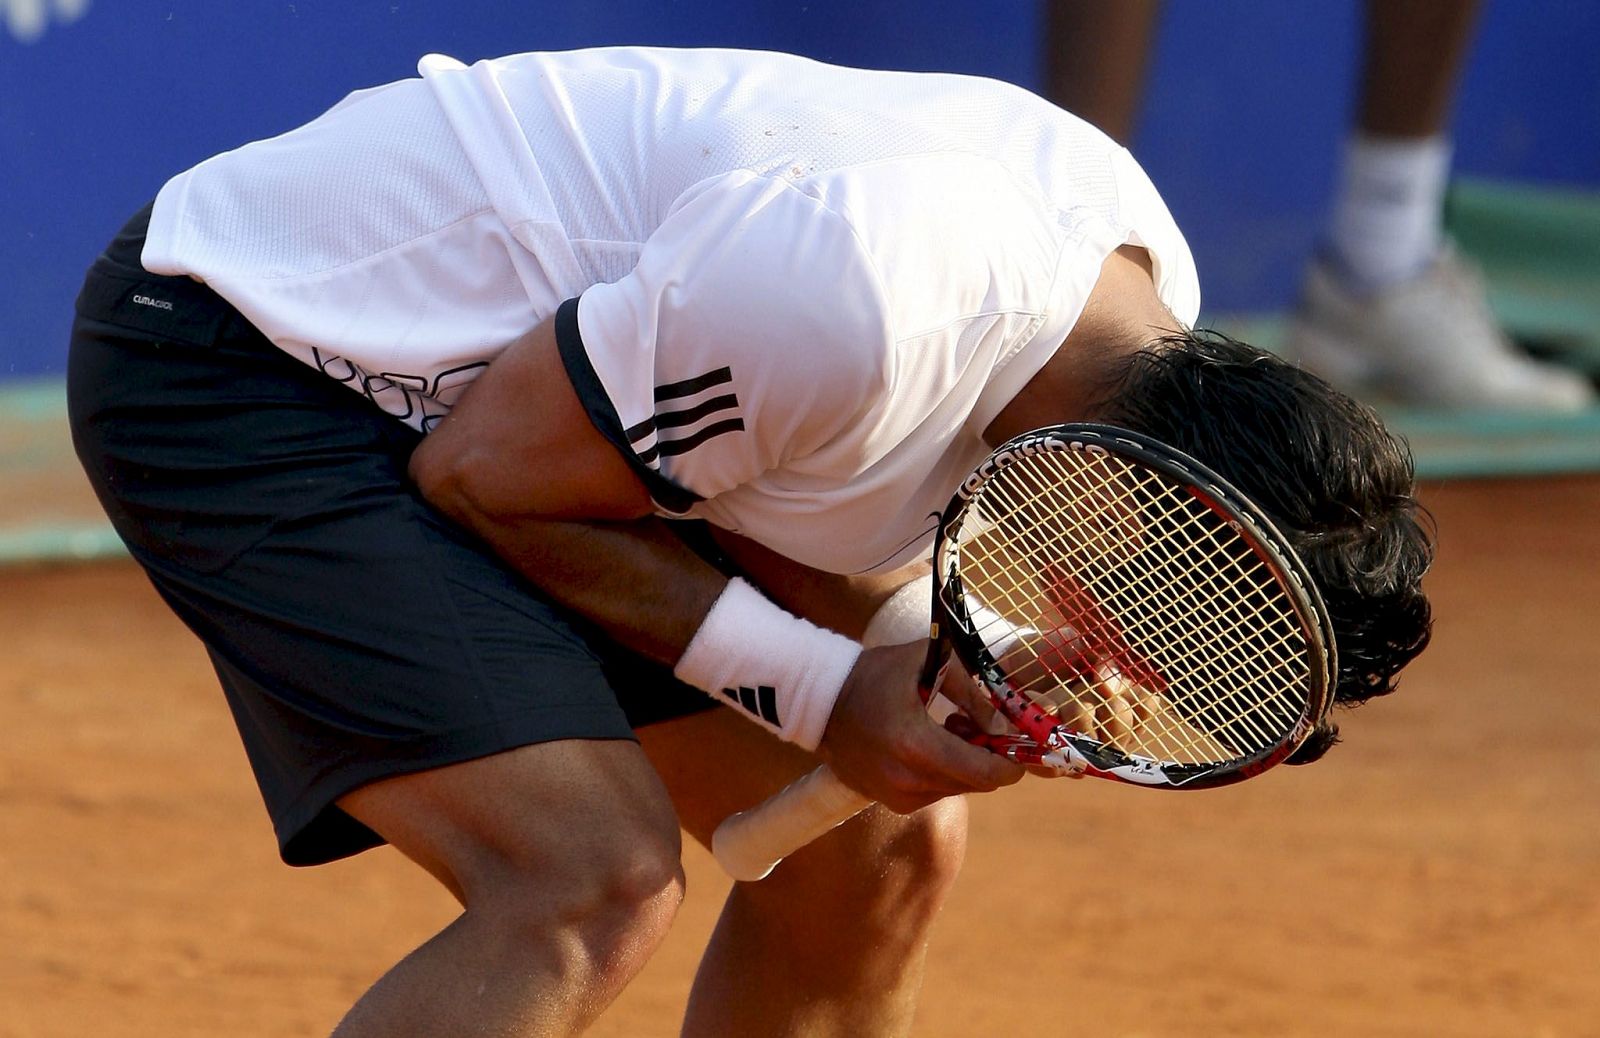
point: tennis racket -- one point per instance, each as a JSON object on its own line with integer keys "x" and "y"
{"x": 1128, "y": 614}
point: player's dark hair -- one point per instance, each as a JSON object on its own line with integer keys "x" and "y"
{"x": 1328, "y": 474}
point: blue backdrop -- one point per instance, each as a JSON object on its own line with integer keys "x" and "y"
{"x": 102, "y": 100}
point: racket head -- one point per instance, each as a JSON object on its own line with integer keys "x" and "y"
{"x": 1160, "y": 629}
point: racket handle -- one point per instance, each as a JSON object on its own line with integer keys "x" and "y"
{"x": 751, "y": 843}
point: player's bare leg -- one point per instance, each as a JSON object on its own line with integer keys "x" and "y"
{"x": 560, "y": 913}
{"x": 834, "y": 941}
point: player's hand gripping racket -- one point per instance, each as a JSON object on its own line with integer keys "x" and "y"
{"x": 1128, "y": 614}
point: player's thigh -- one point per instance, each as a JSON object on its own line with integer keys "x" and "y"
{"x": 574, "y": 814}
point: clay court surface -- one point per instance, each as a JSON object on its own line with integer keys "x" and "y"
{"x": 1436, "y": 875}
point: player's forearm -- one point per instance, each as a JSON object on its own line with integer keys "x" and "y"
{"x": 635, "y": 579}
{"x": 650, "y": 592}
{"x": 842, "y": 602}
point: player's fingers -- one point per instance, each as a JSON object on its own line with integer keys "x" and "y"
{"x": 1013, "y": 747}
{"x": 928, "y": 765}
{"x": 906, "y": 786}
{"x": 960, "y": 724}
{"x": 967, "y": 768}
{"x": 944, "y": 762}
{"x": 962, "y": 689}
{"x": 1144, "y": 705}
{"x": 1114, "y": 714}
{"x": 1077, "y": 715}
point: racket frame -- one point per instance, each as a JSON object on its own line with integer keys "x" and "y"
{"x": 1056, "y": 745}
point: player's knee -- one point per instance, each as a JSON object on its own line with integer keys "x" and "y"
{"x": 890, "y": 874}
{"x": 636, "y": 878}
{"x": 919, "y": 858}
{"x": 603, "y": 907}
{"x": 626, "y": 895}
{"x": 883, "y": 883}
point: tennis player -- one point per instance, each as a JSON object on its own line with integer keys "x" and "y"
{"x": 497, "y": 425}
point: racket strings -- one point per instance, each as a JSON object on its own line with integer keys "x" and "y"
{"x": 1164, "y": 635}
{"x": 1247, "y": 596}
{"x": 1077, "y": 696}
{"x": 1254, "y": 612}
{"x": 1153, "y": 587}
{"x": 1101, "y": 641}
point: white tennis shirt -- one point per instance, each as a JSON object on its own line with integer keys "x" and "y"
{"x": 792, "y": 294}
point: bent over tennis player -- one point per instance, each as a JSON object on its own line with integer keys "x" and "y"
{"x": 496, "y": 426}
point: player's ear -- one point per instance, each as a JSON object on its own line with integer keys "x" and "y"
{"x": 1322, "y": 739}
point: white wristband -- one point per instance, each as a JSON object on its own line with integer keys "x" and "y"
{"x": 785, "y": 673}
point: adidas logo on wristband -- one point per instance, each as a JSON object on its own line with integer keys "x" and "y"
{"x": 745, "y": 635}
{"x": 761, "y": 701}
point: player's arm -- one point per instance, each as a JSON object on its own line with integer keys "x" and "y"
{"x": 519, "y": 463}
{"x": 841, "y": 602}
{"x": 507, "y": 458}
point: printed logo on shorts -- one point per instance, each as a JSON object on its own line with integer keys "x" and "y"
{"x": 159, "y": 304}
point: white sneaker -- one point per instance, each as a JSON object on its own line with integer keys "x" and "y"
{"x": 1431, "y": 341}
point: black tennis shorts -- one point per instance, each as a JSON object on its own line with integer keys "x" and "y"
{"x": 356, "y": 632}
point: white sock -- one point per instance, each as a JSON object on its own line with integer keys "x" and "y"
{"x": 1389, "y": 214}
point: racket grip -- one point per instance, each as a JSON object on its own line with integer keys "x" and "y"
{"x": 751, "y": 843}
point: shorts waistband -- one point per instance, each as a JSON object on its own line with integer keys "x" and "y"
{"x": 117, "y": 290}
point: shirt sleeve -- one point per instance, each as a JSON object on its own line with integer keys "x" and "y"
{"x": 752, "y": 331}
{"x": 1152, "y": 225}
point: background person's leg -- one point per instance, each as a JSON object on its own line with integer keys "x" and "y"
{"x": 1095, "y": 56}
{"x": 1390, "y": 309}
{"x": 1413, "y": 52}
{"x": 1386, "y": 225}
